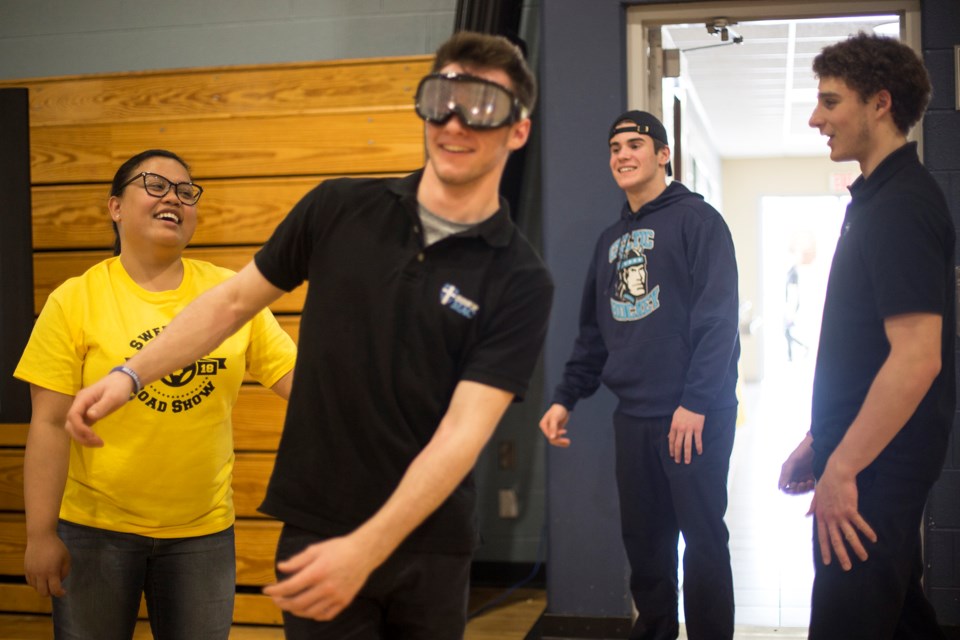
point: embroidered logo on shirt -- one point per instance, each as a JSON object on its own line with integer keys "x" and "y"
{"x": 632, "y": 300}
{"x": 450, "y": 297}
{"x": 181, "y": 390}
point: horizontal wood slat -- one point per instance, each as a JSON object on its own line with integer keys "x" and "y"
{"x": 256, "y": 549}
{"x": 373, "y": 142}
{"x": 256, "y": 545}
{"x": 244, "y": 211}
{"x": 250, "y": 475}
{"x": 14, "y": 434}
{"x": 290, "y": 324}
{"x": 251, "y": 472}
{"x": 258, "y": 419}
{"x": 249, "y": 608}
{"x": 222, "y": 92}
{"x": 23, "y": 598}
{"x": 11, "y": 479}
{"x": 50, "y": 269}
{"x": 252, "y": 608}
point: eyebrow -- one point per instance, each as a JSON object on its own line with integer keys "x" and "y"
{"x": 828, "y": 94}
{"x": 627, "y": 141}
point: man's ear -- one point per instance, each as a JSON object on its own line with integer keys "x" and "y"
{"x": 883, "y": 101}
{"x": 519, "y": 133}
{"x": 663, "y": 156}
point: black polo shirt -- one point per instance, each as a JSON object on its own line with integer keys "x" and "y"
{"x": 388, "y": 330}
{"x": 895, "y": 256}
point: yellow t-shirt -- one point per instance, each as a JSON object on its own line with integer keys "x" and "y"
{"x": 166, "y": 467}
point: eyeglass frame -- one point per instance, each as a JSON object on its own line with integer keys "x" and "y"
{"x": 170, "y": 183}
{"x": 517, "y": 110}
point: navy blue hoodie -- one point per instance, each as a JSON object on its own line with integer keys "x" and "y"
{"x": 659, "y": 315}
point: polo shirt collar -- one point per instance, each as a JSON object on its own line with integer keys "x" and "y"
{"x": 497, "y": 230}
{"x": 888, "y": 168}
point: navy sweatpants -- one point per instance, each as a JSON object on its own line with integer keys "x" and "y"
{"x": 659, "y": 499}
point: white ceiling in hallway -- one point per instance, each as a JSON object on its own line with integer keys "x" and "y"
{"x": 757, "y": 95}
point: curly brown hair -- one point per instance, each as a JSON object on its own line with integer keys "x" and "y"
{"x": 869, "y": 63}
{"x": 485, "y": 51}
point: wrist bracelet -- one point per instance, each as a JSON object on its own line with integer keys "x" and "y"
{"x": 137, "y": 385}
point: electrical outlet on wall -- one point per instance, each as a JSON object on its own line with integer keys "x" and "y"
{"x": 509, "y": 504}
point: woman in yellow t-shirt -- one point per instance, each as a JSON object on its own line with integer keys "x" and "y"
{"x": 151, "y": 511}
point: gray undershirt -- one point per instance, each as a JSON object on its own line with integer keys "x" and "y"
{"x": 436, "y": 228}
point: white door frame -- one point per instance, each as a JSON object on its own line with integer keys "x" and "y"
{"x": 642, "y": 17}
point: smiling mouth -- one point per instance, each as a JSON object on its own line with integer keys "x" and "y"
{"x": 168, "y": 216}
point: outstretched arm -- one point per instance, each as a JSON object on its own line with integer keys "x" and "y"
{"x": 206, "y": 322}
{"x": 326, "y": 576}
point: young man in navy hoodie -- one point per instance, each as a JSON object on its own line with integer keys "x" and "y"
{"x": 883, "y": 388}
{"x": 658, "y": 327}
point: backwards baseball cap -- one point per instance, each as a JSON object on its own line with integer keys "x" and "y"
{"x": 643, "y": 123}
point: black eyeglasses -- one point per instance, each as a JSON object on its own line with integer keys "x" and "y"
{"x": 158, "y": 186}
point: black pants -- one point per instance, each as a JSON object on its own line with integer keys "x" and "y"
{"x": 659, "y": 499}
{"x": 882, "y": 598}
{"x": 411, "y": 596}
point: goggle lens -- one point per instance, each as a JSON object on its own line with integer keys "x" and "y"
{"x": 479, "y": 103}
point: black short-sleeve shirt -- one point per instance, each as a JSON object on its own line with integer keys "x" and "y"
{"x": 388, "y": 330}
{"x": 895, "y": 256}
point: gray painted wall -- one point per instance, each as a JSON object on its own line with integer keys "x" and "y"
{"x": 64, "y": 37}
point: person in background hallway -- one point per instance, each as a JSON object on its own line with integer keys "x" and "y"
{"x": 659, "y": 327}
{"x": 883, "y": 391}
{"x": 423, "y": 321}
{"x": 152, "y": 512}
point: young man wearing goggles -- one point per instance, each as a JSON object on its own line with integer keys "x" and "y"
{"x": 401, "y": 378}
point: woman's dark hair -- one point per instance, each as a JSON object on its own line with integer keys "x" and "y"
{"x": 127, "y": 170}
{"x": 870, "y": 63}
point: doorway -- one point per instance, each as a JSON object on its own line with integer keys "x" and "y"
{"x": 744, "y": 98}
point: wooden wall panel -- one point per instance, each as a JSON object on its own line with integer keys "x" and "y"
{"x": 223, "y": 92}
{"x": 13, "y": 543}
{"x": 256, "y": 545}
{"x": 256, "y": 548}
{"x": 52, "y": 268}
{"x": 250, "y": 475}
{"x": 251, "y": 472}
{"x": 371, "y": 142}
{"x": 258, "y": 419}
{"x": 257, "y": 138}
{"x": 231, "y": 211}
{"x": 11, "y": 480}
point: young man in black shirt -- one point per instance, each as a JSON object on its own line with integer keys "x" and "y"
{"x": 424, "y": 317}
{"x": 884, "y": 389}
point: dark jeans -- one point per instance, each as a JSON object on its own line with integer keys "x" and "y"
{"x": 659, "y": 499}
{"x": 412, "y": 596}
{"x": 882, "y": 598}
{"x": 189, "y": 585}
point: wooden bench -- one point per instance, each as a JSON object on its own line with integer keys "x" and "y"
{"x": 257, "y": 138}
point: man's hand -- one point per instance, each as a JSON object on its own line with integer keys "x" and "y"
{"x": 324, "y": 579}
{"x": 834, "y": 506}
{"x": 686, "y": 430}
{"x": 553, "y": 424}
{"x": 46, "y": 564}
{"x": 95, "y": 402}
{"x": 796, "y": 473}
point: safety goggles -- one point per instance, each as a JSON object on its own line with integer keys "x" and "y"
{"x": 479, "y": 103}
